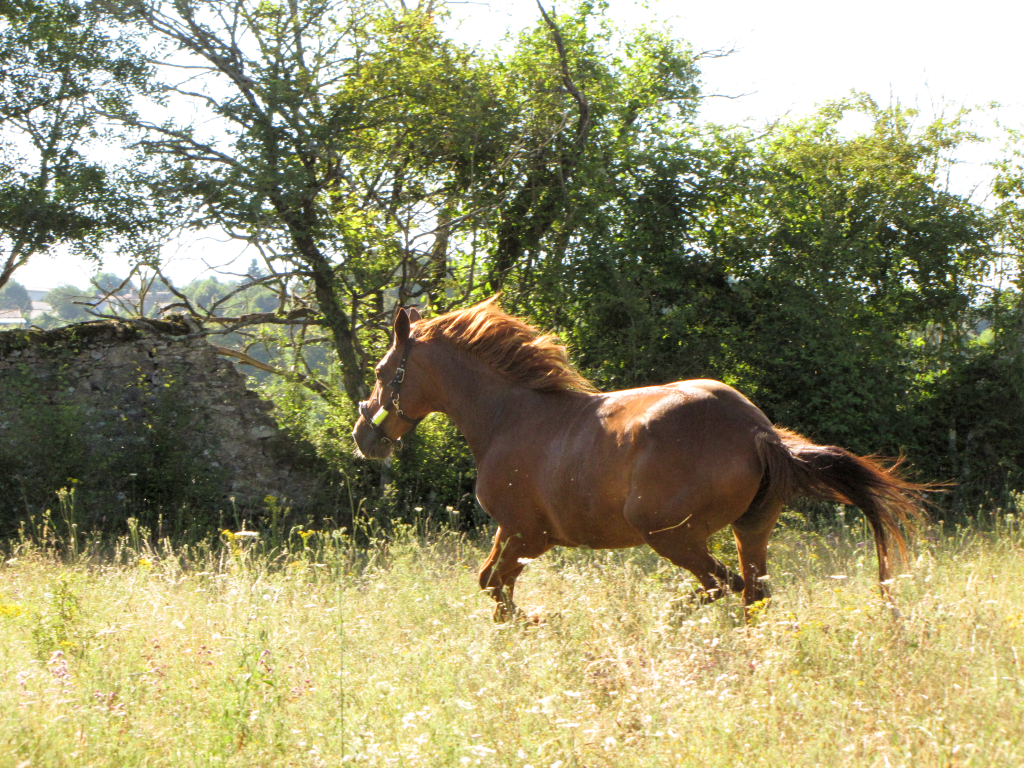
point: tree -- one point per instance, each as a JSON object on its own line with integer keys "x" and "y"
{"x": 628, "y": 100}
{"x": 67, "y": 302}
{"x": 108, "y": 282}
{"x": 300, "y": 165}
{"x": 14, "y": 296}
{"x": 1008, "y": 279}
{"x": 360, "y": 149}
{"x": 60, "y": 64}
{"x": 975, "y": 408}
{"x": 859, "y": 268}
{"x": 824, "y": 276}
{"x": 205, "y": 292}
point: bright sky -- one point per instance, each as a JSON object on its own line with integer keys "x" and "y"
{"x": 790, "y": 55}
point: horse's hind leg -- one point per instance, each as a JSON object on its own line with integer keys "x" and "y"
{"x": 503, "y": 565}
{"x": 685, "y": 551}
{"x": 751, "y": 531}
{"x": 676, "y": 513}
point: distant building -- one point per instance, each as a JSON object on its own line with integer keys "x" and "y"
{"x": 130, "y": 302}
{"x": 11, "y": 318}
{"x": 38, "y": 308}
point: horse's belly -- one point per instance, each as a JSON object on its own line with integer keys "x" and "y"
{"x": 588, "y": 509}
{"x": 602, "y": 530}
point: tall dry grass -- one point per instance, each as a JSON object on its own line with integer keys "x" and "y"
{"x": 319, "y": 652}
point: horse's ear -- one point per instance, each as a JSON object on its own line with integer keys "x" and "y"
{"x": 401, "y": 326}
{"x": 414, "y": 315}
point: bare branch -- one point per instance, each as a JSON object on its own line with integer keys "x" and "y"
{"x": 314, "y": 385}
{"x": 300, "y": 317}
{"x": 583, "y": 127}
{"x": 717, "y": 53}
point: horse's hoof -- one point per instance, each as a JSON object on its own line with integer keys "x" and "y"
{"x": 756, "y": 609}
{"x": 503, "y": 613}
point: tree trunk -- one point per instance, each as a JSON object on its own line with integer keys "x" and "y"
{"x": 337, "y": 321}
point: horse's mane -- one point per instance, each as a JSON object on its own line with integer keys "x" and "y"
{"x": 508, "y": 345}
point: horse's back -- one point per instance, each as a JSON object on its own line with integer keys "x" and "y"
{"x": 686, "y": 427}
{"x": 683, "y": 411}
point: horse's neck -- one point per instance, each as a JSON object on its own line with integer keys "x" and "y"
{"x": 472, "y": 395}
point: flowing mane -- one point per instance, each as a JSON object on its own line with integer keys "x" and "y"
{"x": 508, "y": 345}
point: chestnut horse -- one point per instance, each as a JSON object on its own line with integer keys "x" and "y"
{"x": 561, "y": 464}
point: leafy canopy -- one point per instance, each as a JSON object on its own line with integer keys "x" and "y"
{"x": 61, "y": 66}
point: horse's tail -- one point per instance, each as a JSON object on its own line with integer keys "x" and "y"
{"x": 794, "y": 466}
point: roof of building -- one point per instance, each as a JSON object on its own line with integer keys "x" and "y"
{"x": 11, "y": 317}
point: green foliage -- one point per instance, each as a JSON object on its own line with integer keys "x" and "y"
{"x": 1009, "y": 191}
{"x": 371, "y": 158}
{"x": 434, "y": 472}
{"x": 972, "y": 412}
{"x": 639, "y": 91}
{"x": 434, "y": 476}
{"x": 108, "y": 282}
{"x": 230, "y": 297}
{"x": 57, "y": 631}
{"x": 311, "y": 160}
{"x": 206, "y": 291}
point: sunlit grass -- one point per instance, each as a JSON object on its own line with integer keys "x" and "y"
{"x": 319, "y": 652}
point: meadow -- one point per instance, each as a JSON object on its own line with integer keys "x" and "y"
{"x": 321, "y": 650}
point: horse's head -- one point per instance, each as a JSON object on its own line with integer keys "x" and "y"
{"x": 396, "y": 404}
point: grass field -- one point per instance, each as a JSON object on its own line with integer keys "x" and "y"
{"x": 323, "y": 653}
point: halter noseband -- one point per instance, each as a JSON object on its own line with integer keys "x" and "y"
{"x": 377, "y": 419}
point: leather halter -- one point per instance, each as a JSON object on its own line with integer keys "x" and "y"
{"x": 396, "y": 391}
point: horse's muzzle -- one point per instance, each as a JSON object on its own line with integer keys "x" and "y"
{"x": 367, "y": 443}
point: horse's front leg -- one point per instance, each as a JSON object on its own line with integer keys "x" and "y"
{"x": 504, "y": 564}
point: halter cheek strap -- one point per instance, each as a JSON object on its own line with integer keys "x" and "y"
{"x": 376, "y": 420}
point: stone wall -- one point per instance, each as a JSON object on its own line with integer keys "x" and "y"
{"x": 150, "y": 412}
